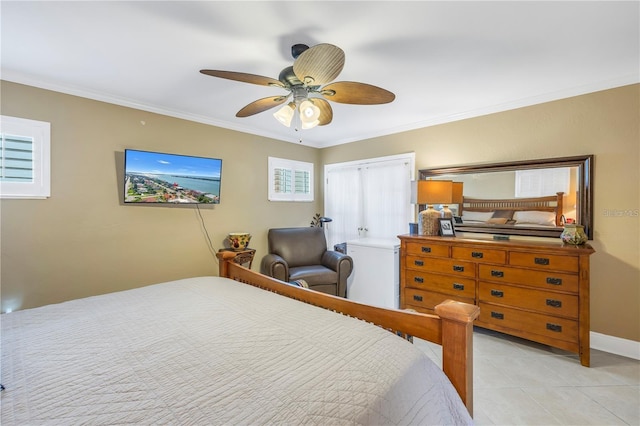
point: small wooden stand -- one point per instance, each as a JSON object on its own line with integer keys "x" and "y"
{"x": 243, "y": 256}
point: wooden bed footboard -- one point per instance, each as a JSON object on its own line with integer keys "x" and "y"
{"x": 452, "y": 327}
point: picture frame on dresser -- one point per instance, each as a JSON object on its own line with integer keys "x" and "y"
{"x": 446, "y": 227}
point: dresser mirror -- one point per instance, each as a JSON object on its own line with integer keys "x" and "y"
{"x": 531, "y": 197}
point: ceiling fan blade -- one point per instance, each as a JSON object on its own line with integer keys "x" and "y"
{"x": 261, "y": 105}
{"x": 244, "y": 77}
{"x": 350, "y": 92}
{"x": 319, "y": 64}
{"x": 326, "y": 112}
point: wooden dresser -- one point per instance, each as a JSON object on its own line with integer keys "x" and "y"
{"x": 537, "y": 290}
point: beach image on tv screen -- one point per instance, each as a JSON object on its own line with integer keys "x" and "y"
{"x": 153, "y": 177}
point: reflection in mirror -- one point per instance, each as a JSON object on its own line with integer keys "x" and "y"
{"x": 535, "y": 197}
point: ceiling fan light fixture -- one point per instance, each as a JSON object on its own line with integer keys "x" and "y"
{"x": 285, "y": 114}
{"x": 309, "y": 112}
{"x": 310, "y": 83}
{"x": 309, "y": 124}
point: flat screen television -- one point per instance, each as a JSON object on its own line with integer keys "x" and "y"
{"x": 155, "y": 177}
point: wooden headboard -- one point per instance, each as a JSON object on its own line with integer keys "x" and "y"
{"x": 551, "y": 203}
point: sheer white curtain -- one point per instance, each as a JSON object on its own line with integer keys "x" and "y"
{"x": 371, "y": 198}
{"x": 343, "y": 203}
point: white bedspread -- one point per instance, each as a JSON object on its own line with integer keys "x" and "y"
{"x": 209, "y": 350}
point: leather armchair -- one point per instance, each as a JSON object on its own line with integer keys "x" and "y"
{"x": 301, "y": 254}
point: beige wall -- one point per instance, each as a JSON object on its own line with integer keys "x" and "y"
{"x": 83, "y": 241}
{"x": 605, "y": 124}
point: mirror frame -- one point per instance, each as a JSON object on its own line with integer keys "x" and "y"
{"x": 584, "y": 164}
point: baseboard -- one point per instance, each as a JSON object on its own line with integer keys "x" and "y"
{"x": 615, "y": 345}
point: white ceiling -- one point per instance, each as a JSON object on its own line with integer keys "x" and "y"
{"x": 445, "y": 61}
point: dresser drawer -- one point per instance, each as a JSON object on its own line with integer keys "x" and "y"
{"x": 541, "y": 279}
{"x": 479, "y": 254}
{"x": 443, "y": 266}
{"x": 421, "y": 300}
{"x": 565, "y": 305}
{"x": 455, "y": 286}
{"x": 544, "y": 261}
{"x": 529, "y": 322}
{"x": 427, "y": 248}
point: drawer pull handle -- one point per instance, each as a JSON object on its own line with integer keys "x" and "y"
{"x": 497, "y": 315}
{"x": 418, "y": 279}
{"x": 554, "y": 327}
{"x": 499, "y": 274}
{"x": 426, "y": 249}
{"x": 497, "y": 293}
{"x": 541, "y": 261}
{"x": 477, "y": 254}
{"x": 457, "y": 286}
{"x": 417, "y": 298}
{"x": 554, "y": 281}
{"x": 458, "y": 268}
{"x": 418, "y": 262}
{"x": 554, "y": 303}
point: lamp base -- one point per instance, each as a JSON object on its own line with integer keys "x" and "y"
{"x": 446, "y": 212}
{"x": 428, "y": 223}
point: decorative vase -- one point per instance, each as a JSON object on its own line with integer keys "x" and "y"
{"x": 573, "y": 234}
{"x": 239, "y": 241}
{"x": 428, "y": 223}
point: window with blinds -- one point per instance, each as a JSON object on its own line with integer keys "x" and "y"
{"x": 24, "y": 158}
{"x": 290, "y": 180}
{"x": 16, "y": 158}
{"x": 542, "y": 182}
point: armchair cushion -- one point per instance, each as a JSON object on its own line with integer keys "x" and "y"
{"x": 301, "y": 254}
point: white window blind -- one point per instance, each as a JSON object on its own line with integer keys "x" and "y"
{"x": 290, "y": 180}
{"x": 24, "y": 158}
{"x": 17, "y": 158}
{"x": 542, "y": 182}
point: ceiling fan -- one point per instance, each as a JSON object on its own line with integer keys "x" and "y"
{"x": 306, "y": 81}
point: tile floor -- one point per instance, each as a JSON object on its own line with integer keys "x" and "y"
{"x": 517, "y": 382}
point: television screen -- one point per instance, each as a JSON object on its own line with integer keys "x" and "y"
{"x": 154, "y": 177}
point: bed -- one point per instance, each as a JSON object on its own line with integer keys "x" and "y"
{"x": 232, "y": 350}
{"x": 539, "y": 214}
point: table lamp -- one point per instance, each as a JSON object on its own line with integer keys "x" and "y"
{"x": 432, "y": 192}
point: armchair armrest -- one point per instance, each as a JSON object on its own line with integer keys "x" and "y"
{"x": 335, "y": 260}
{"x": 342, "y": 264}
{"x": 275, "y": 266}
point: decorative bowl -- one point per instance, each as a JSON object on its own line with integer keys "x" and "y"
{"x": 238, "y": 241}
{"x": 573, "y": 234}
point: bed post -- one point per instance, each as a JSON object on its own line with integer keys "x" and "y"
{"x": 223, "y": 256}
{"x": 559, "y": 209}
{"x": 457, "y": 360}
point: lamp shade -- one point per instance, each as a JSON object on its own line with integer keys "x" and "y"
{"x": 435, "y": 191}
{"x": 285, "y": 114}
{"x": 309, "y": 125}
{"x": 309, "y": 113}
{"x": 457, "y": 193}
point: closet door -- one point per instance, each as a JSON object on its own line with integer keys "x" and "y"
{"x": 386, "y": 189}
{"x": 369, "y": 198}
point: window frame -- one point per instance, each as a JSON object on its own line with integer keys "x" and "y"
{"x": 293, "y": 167}
{"x": 40, "y": 133}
